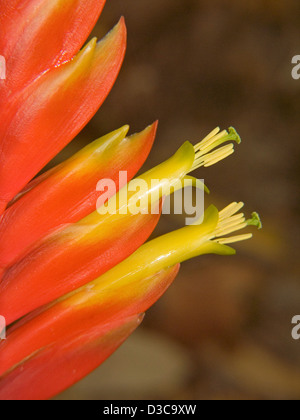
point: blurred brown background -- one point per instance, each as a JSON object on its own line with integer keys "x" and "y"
{"x": 223, "y": 331}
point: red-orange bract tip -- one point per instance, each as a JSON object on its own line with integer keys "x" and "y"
{"x": 49, "y": 113}
{"x": 56, "y": 367}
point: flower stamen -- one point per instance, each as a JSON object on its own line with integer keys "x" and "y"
{"x": 205, "y": 155}
{"x": 230, "y": 210}
{"x": 233, "y": 239}
{"x": 230, "y": 222}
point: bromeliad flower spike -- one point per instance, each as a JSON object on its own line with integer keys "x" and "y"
{"x": 74, "y": 282}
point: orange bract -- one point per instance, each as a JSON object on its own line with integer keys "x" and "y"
{"x": 51, "y": 111}
{"x": 41, "y": 34}
{"x": 68, "y": 193}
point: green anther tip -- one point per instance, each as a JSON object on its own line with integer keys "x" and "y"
{"x": 234, "y": 135}
{"x": 255, "y": 221}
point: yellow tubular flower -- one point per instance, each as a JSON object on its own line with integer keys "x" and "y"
{"x": 172, "y": 172}
{"x": 173, "y": 248}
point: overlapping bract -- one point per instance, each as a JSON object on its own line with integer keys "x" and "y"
{"x": 59, "y": 365}
{"x": 67, "y": 193}
{"x": 42, "y": 117}
{"x": 81, "y": 278}
{"x": 41, "y": 34}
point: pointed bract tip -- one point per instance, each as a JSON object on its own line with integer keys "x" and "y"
{"x": 89, "y": 48}
{"x": 120, "y": 28}
{"x": 154, "y": 127}
{"x": 124, "y": 130}
{"x": 81, "y": 62}
{"x": 140, "y": 318}
{"x": 155, "y": 124}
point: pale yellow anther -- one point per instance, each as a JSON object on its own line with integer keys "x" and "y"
{"x": 208, "y": 137}
{"x": 230, "y": 210}
{"x": 218, "y": 155}
{"x": 230, "y": 229}
{"x": 205, "y": 155}
{"x": 213, "y": 157}
{"x": 240, "y": 218}
{"x": 230, "y": 222}
{"x": 209, "y": 144}
{"x": 233, "y": 239}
